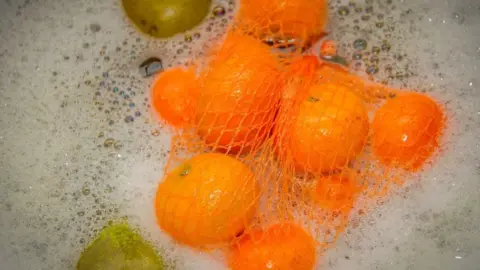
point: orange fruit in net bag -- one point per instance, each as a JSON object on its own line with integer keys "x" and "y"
{"x": 173, "y": 96}
{"x": 336, "y": 192}
{"x": 207, "y": 200}
{"x": 327, "y": 129}
{"x": 239, "y": 96}
{"x": 283, "y": 246}
{"x": 406, "y": 130}
{"x": 302, "y": 19}
{"x": 300, "y": 71}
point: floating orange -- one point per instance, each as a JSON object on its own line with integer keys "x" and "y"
{"x": 239, "y": 96}
{"x": 406, "y": 130}
{"x": 173, "y": 96}
{"x": 328, "y": 129}
{"x": 207, "y": 200}
{"x": 284, "y": 246}
{"x": 302, "y": 19}
{"x": 335, "y": 192}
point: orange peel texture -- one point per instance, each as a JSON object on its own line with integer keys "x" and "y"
{"x": 207, "y": 200}
{"x": 406, "y": 130}
{"x": 283, "y": 246}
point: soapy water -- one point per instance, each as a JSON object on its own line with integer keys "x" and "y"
{"x": 80, "y": 146}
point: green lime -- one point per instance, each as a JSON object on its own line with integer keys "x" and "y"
{"x": 118, "y": 247}
{"x": 165, "y": 18}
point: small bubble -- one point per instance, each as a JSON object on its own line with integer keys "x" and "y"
{"x": 81, "y": 213}
{"x": 155, "y": 132}
{"x": 344, "y": 11}
{"x": 365, "y": 17}
{"x": 360, "y": 44}
{"x": 138, "y": 114}
{"x": 459, "y": 18}
{"x": 379, "y": 24}
{"x": 95, "y": 27}
{"x": 373, "y": 69}
{"x": 109, "y": 142}
{"x": 188, "y": 38}
{"x": 128, "y": 119}
{"x": 115, "y": 89}
{"x": 218, "y": 11}
{"x": 386, "y": 47}
{"x": 357, "y": 56}
{"x": 376, "y": 50}
{"x": 131, "y": 105}
{"x": 369, "y": 9}
{"x": 196, "y": 35}
{"x": 85, "y": 191}
{"x": 179, "y": 51}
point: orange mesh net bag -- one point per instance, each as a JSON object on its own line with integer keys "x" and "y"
{"x": 274, "y": 152}
{"x": 284, "y": 23}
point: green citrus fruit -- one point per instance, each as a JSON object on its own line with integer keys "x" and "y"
{"x": 119, "y": 248}
{"x": 165, "y": 18}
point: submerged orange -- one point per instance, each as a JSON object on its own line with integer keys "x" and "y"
{"x": 173, "y": 96}
{"x": 283, "y": 246}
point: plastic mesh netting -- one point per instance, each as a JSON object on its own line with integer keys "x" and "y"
{"x": 275, "y": 151}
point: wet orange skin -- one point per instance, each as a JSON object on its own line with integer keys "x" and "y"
{"x": 283, "y": 246}
{"x": 406, "y": 130}
{"x": 173, "y": 96}
{"x": 335, "y": 192}
{"x": 322, "y": 129}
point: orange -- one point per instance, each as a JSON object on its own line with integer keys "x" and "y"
{"x": 302, "y": 19}
{"x": 327, "y": 128}
{"x": 335, "y": 192}
{"x": 283, "y": 246}
{"x": 239, "y": 96}
{"x": 207, "y": 200}
{"x": 406, "y": 130}
{"x": 173, "y": 96}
